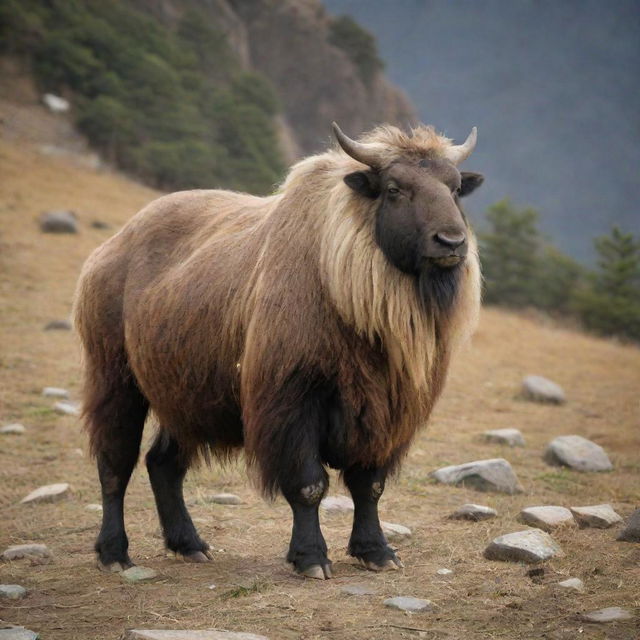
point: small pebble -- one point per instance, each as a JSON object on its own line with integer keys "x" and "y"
{"x": 358, "y": 590}
{"x": 600, "y": 516}
{"x": 224, "y": 498}
{"x": 12, "y": 429}
{"x": 55, "y": 392}
{"x": 547, "y": 518}
{"x": 337, "y": 504}
{"x": 48, "y": 493}
{"x": 407, "y": 603}
{"x": 394, "y": 532}
{"x": 473, "y": 512}
{"x": 67, "y": 408}
{"x": 541, "y": 389}
{"x": 93, "y": 507}
{"x": 572, "y": 583}
{"x": 58, "y": 325}
{"x": 609, "y": 614}
{"x": 12, "y": 591}
{"x": 444, "y": 572}
{"x": 495, "y": 474}
{"x": 17, "y": 551}
{"x": 509, "y": 437}
{"x": 138, "y": 574}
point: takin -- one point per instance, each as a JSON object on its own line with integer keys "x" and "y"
{"x": 312, "y": 328}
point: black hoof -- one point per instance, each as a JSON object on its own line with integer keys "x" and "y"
{"x": 379, "y": 558}
{"x": 189, "y": 545}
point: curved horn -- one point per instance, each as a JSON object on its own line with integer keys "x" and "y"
{"x": 460, "y": 152}
{"x": 366, "y": 153}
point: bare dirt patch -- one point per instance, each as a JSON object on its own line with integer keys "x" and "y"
{"x": 254, "y": 590}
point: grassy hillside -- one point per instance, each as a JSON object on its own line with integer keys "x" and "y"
{"x": 254, "y": 591}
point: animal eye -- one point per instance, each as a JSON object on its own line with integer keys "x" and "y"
{"x": 393, "y": 190}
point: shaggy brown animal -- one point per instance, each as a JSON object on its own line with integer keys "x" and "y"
{"x": 313, "y": 327}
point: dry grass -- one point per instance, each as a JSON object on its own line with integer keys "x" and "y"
{"x": 254, "y": 590}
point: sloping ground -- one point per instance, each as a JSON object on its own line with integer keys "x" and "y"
{"x": 254, "y": 591}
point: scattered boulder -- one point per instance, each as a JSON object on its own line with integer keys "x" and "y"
{"x": 59, "y": 222}
{"x": 574, "y": 584}
{"x": 18, "y": 551}
{"x": 55, "y": 103}
{"x": 17, "y": 633}
{"x": 48, "y": 493}
{"x": 67, "y": 408}
{"x": 509, "y": 437}
{"x": 12, "y": 591}
{"x": 484, "y": 475}
{"x": 577, "y": 453}
{"x": 631, "y": 533}
{"x": 58, "y": 325}
{"x": 138, "y": 574}
{"x": 55, "y": 392}
{"x": 530, "y": 546}
{"x": 394, "y": 532}
{"x": 358, "y": 590}
{"x": 407, "y": 603}
{"x": 600, "y": 516}
{"x": 541, "y": 389}
{"x": 473, "y": 512}
{"x": 337, "y": 504}
{"x": 609, "y": 614}
{"x": 224, "y": 498}
{"x": 12, "y": 429}
{"x": 205, "y": 634}
{"x": 547, "y": 518}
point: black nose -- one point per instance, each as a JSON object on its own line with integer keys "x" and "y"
{"x": 450, "y": 240}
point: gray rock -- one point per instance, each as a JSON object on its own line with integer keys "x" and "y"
{"x": 224, "y": 498}
{"x": 139, "y": 574}
{"x": 394, "y": 532}
{"x": 55, "y": 103}
{"x": 574, "y": 584}
{"x": 531, "y": 546}
{"x": 510, "y": 437}
{"x": 484, "y": 475}
{"x": 205, "y": 634}
{"x": 444, "y": 572}
{"x": 407, "y": 603}
{"x": 358, "y": 590}
{"x": 48, "y": 493}
{"x": 59, "y": 222}
{"x": 17, "y": 551}
{"x": 337, "y": 504}
{"x": 12, "y": 591}
{"x": 631, "y": 533}
{"x": 67, "y": 408}
{"x": 17, "y": 633}
{"x": 547, "y": 518}
{"x": 600, "y": 516}
{"x": 13, "y": 429}
{"x": 578, "y": 453}
{"x": 100, "y": 224}
{"x": 55, "y": 392}
{"x": 473, "y": 512}
{"x": 610, "y": 614}
{"x": 93, "y": 507}
{"x": 58, "y": 325}
{"x": 541, "y": 389}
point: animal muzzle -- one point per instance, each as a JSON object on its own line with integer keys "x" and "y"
{"x": 447, "y": 248}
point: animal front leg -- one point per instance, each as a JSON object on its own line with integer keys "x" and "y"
{"x": 367, "y": 542}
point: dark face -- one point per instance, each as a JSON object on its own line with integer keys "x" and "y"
{"x": 419, "y": 224}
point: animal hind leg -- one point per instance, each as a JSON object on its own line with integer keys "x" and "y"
{"x": 166, "y": 472}
{"x": 116, "y": 414}
{"x": 367, "y": 542}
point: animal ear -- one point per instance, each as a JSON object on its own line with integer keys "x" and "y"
{"x": 366, "y": 183}
{"x": 470, "y": 182}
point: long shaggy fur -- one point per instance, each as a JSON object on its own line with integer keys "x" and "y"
{"x": 227, "y": 313}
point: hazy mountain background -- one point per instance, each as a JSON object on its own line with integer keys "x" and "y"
{"x": 552, "y": 86}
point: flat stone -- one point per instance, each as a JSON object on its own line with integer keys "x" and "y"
{"x": 17, "y": 633}
{"x": 395, "y": 532}
{"x": 407, "y": 603}
{"x": 59, "y": 222}
{"x": 547, "y": 518}
{"x": 67, "y": 408}
{"x": 17, "y": 551}
{"x": 48, "y": 493}
{"x": 510, "y": 437}
{"x": 358, "y": 590}
{"x": 574, "y": 584}
{"x": 495, "y": 474}
{"x": 531, "y": 546}
{"x": 100, "y": 224}
{"x": 93, "y": 507}
{"x": 13, "y": 429}
{"x": 577, "y": 453}
{"x": 139, "y": 574}
{"x": 444, "y": 572}
{"x": 224, "y": 498}
{"x": 473, "y": 512}
{"x": 541, "y": 389}
{"x": 55, "y": 392}
{"x": 12, "y": 591}
{"x": 58, "y": 325}
{"x": 631, "y": 533}
{"x": 600, "y": 516}
{"x": 609, "y": 614}
{"x": 337, "y": 504}
{"x": 205, "y": 634}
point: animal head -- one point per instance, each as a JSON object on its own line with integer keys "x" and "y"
{"x": 416, "y": 186}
